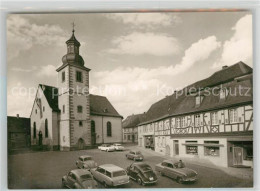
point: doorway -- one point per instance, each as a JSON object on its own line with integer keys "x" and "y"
{"x": 238, "y": 156}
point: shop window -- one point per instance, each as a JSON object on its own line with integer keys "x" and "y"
{"x": 212, "y": 149}
{"x": 128, "y": 137}
{"x": 248, "y": 151}
{"x": 190, "y": 148}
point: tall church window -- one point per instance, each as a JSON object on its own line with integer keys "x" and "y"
{"x": 63, "y": 76}
{"x": 79, "y": 76}
{"x": 63, "y": 109}
{"x": 34, "y": 130}
{"x": 79, "y": 109}
{"x": 109, "y": 129}
{"x": 80, "y": 123}
{"x": 46, "y": 128}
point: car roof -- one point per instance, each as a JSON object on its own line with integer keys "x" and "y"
{"x": 141, "y": 165}
{"x": 84, "y": 156}
{"x": 110, "y": 167}
{"x": 134, "y": 151}
{"x": 80, "y": 172}
{"x": 170, "y": 161}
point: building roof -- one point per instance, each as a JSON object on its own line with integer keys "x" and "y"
{"x": 133, "y": 120}
{"x": 18, "y": 124}
{"x": 232, "y": 77}
{"x": 100, "y": 105}
{"x": 51, "y": 94}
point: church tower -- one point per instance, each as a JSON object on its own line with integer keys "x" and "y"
{"x": 73, "y": 84}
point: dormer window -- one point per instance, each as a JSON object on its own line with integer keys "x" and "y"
{"x": 198, "y": 100}
{"x": 223, "y": 94}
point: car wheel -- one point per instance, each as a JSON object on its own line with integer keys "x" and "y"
{"x": 139, "y": 180}
{"x": 63, "y": 185}
{"x": 105, "y": 184}
{"x": 180, "y": 180}
{"x": 161, "y": 173}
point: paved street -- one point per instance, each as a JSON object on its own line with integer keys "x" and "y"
{"x": 45, "y": 170}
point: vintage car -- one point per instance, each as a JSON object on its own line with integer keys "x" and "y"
{"x": 176, "y": 170}
{"x": 142, "y": 173}
{"x": 118, "y": 147}
{"x": 135, "y": 155}
{"x": 79, "y": 179}
{"x": 110, "y": 175}
{"x": 86, "y": 162}
{"x": 106, "y": 147}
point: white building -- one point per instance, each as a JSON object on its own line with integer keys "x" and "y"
{"x": 68, "y": 117}
{"x": 213, "y": 121}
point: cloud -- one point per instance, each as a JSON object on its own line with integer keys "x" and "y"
{"x": 146, "y": 43}
{"x": 17, "y": 69}
{"x": 139, "y": 86}
{"x": 146, "y": 19}
{"x": 22, "y": 35}
{"x": 48, "y": 70}
{"x": 239, "y": 46}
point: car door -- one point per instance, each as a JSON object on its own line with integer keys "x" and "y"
{"x": 171, "y": 171}
{"x": 132, "y": 172}
{"x": 100, "y": 173}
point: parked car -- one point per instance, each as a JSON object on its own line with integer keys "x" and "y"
{"x": 110, "y": 175}
{"x": 176, "y": 170}
{"x": 106, "y": 147}
{"x": 118, "y": 147}
{"x": 135, "y": 155}
{"x": 142, "y": 173}
{"x": 86, "y": 162}
{"x": 79, "y": 179}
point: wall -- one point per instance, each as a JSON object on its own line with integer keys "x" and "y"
{"x": 40, "y": 121}
{"x": 101, "y": 121}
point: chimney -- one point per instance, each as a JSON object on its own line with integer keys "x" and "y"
{"x": 17, "y": 115}
{"x": 224, "y": 67}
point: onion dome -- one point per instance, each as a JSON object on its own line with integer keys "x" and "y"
{"x": 72, "y": 56}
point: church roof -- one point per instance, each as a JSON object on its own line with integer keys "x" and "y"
{"x": 73, "y": 40}
{"x": 230, "y": 78}
{"x": 18, "y": 124}
{"x": 133, "y": 120}
{"x": 100, "y": 105}
{"x": 51, "y": 94}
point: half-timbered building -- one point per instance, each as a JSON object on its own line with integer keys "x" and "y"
{"x": 211, "y": 119}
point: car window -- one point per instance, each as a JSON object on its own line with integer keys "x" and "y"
{"x": 87, "y": 158}
{"x": 70, "y": 174}
{"x": 108, "y": 174}
{"x": 169, "y": 165}
{"x": 131, "y": 152}
{"x": 73, "y": 176}
{"x": 101, "y": 170}
{"x": 119, "y": 173}
{"x": 164, "y": 164}
{"x": 80, "y": 159}
{"x": 138, "y": 152}
{"x": 85, "y": 177}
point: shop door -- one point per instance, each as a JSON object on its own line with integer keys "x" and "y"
{"x": 238, "y": 156}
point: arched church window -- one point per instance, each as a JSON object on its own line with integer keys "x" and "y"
{"x": 46, "y": 128}
{"x": 34, "y": 130}
{"x": 109, "y": 129}
{"x": 93, "y": 127}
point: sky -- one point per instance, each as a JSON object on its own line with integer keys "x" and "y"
{"x": 135, "y": 59}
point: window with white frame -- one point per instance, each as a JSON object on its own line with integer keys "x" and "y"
{"x": 197, "y": 120}
{"x": 233, "y": 115}
{"x": 197, "y": 100}
{"x": 178, "y": 122}
{"x": 182, "y": 122}
{"x": 214, "y": 118}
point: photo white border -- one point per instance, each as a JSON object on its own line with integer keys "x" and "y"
{"x": 58, "y": 6}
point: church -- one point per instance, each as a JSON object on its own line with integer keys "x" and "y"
{"x": 67, "y": 117}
